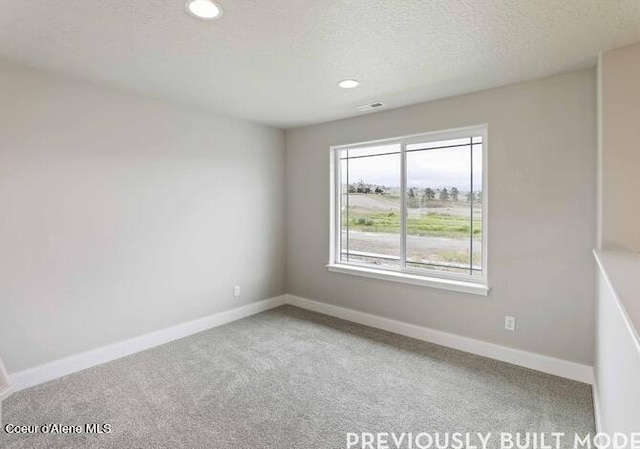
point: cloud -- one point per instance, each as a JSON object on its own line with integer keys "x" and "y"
{"x": 438, "y": 168}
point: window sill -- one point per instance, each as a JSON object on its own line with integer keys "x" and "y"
{"x": 406, "y": 278}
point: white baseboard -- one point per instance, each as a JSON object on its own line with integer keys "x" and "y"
{"x": 4, "y": 380}
{"x": 53, "y": 370}
{"x": 5, "y": 393}
{"x": 539, "y": 362}
{"x": 68, "y": 365}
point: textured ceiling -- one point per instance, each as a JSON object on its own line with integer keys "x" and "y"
{"x": 278, "y": 61}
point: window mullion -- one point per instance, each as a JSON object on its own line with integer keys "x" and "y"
{"x": 471, "y": 214}
{"x": 348, "y": 251}
{"x": 338, "y": 210}
{"x": 403, "y": 207}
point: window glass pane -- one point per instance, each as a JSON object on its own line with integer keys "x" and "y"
{"x": 370, "y": 209}
{"x": 344, "y": 208}
{"x": 439, "y": 199}
{"x": 444, "y": 210}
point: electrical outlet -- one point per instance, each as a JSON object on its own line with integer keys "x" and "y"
{"x": 510, "y": 323}
{"x": 236, "y": 290}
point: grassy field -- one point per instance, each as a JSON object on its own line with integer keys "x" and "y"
{"x": 431, "y": 224}
{"x": 438, "y": 231}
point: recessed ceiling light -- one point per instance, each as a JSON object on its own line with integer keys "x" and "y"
{"x": 204, "y": 9}
{"x": 348, "y": 84}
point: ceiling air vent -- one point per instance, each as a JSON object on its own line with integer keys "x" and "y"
{"x": 370, "y": 106}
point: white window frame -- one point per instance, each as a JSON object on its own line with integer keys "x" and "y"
{"x": 477, "y": 285}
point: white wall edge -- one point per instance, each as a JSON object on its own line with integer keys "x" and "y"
{"x": 618, "y": 300}
{"x": 539, "y": 362}
{"x": 72, "y": 364}
{"x": 599, "y": 155}
{"x": 597, "y": 416}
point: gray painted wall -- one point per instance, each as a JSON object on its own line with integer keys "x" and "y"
{"x": 122, "y": 214}
{"x": 542, "y": 215}
{"x": 620, "y": 157}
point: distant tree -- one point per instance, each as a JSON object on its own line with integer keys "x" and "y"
{"x": 479, "y": 197}
{"x": 412, "y": 201}
{"x": 470, "y": 197}
{"x": 429, "y": 194}
{"x": 444, "y": 194}
{"x": 361, "y": 187}
{"x": 454, "y": 193}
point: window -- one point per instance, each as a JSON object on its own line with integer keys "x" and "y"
{"x": 412, "y": 209}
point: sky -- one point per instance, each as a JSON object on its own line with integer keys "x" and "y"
{"x": 436, "y": 168}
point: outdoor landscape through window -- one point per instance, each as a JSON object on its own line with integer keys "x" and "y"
{"x": 443, "y": 207}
